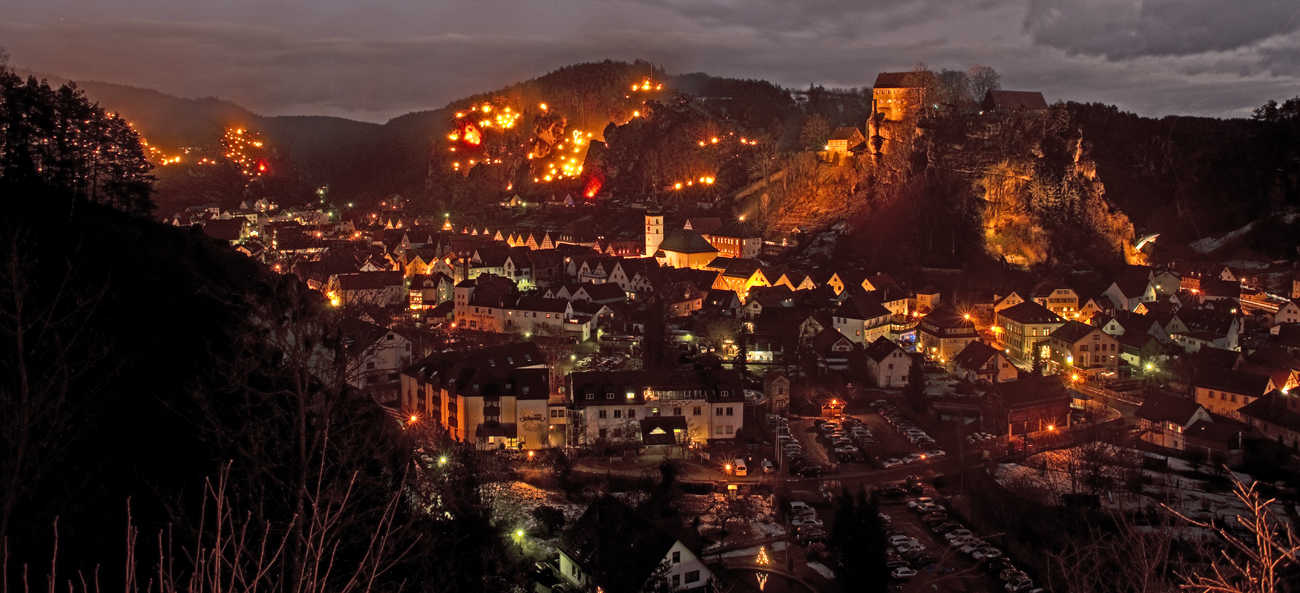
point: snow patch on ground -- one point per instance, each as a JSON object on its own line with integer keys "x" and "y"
{"x": 1050, "y": 474}
{"x": 822, "y": 569}
{"x": 753, "y": 551}
{"x": 1211, "y": 244}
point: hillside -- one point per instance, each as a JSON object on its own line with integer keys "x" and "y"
{"x": 1186, "y": 178}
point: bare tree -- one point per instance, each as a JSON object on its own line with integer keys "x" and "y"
{"x": 47, "y": 351}
{"x": 1263, "y": 562}
{"x": 983, "y": 79}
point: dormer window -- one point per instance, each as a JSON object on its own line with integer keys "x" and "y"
{"x": 492, "y": 362}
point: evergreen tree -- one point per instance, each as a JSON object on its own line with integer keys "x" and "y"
{"x": 915, "y": 389}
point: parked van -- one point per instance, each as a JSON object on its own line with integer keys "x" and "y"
{"x": 739, "y": 466}
{"x": 801, "y": 509}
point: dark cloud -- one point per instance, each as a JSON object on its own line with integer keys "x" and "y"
{"x": 1123, "y": 29}
{"x": 375, "y": 59}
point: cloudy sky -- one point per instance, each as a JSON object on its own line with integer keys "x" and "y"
{"x": 375, "y": 59}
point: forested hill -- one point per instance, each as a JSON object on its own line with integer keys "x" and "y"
{"x": 1185, "y": 177}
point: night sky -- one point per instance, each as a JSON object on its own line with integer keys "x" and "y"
{"x": 376, "y": 59}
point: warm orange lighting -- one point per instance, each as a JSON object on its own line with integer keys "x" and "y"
{"x": 966, "y": 316}
{"x": 531, "y": 453}
{"x": 1074, "y": 377}
{"x": 543, "y": 107}
{"x": 413, "y": 419}
{"x": 1051, "y": 428}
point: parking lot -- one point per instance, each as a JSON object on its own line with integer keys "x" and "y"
{"x": 938, "y": 565}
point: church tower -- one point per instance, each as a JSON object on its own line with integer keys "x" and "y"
{"x": 654, "y": 231}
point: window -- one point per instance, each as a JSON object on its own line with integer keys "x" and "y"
{"x": 677, "y": 557}
{"x": 717, "y": 411}
{"x": 603, "y": 433}
{"x": 555, "y": 413}
{"x": 728, "y": 429}
{"x": 601, "y": 415}
{"x": 591, "y": 396}
{"x": 729, "y": 408}
{"x": 631, "y": 413}
{"x": 718, "y": 430}
{"x": 696, "y": 411}
{"x": 370, "y": 366}
{"x": 609, "y": 396}
{"x": 618, "y": 413}
{"x": 677, "y": 580}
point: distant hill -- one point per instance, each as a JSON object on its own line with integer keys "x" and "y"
{"x": 1184, "y": 177}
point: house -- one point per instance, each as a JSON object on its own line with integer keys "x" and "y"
{"x": 495, "y": 397}
{"x": 722, "y": 303}
{"x": 1295, "y": 286}
{"x": 375, "y": 354}
{"x": 1028, "y": 405}
{"x": 979, "y": 362}
{"x": 367, "y": 288}
{"x": 1024, "y": 327}
{"x": 1128, "y": 292}
{"x": 1000, "y": 100}
{"x": 944, "y": 332}
{"x": 604, "y": 405}
{"x": 861, "y": 320}
{"x": 927, "y": 299}
{"x": 845, "y": 140}
{"x": 685, "y": 249}
{"x": 776, "y": 386}
{"x": 613, "y": 549}
{"x": 1139, "y": 349}
{"x": 1224, "y": 391}
{"x": 230, "y": 230}
{"x": 833, "y": 350}
{"x": 1092, "y": 306}
{"x": 1288, "y": 313}
{"x": 1006, "y": 302}
{"x": 1058, "y": 298}
{"x": 427, "y": 291}
{"x": 1085, "y": 350}
{"x": 898, "y": 95}
{"x": 736, "y": 239}
{"x": 887, "y": 363}
{"x": 1165, "y": 418}
{"x": 1276, "y": 416}
{"x": 1208, "y": 327}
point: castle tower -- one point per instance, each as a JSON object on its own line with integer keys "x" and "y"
{"x": 654, "y": 231}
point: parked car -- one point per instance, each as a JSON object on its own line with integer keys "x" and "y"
{"x": 946, "y": 527}
{"x": 898, "y": 540}
{"x": 983, "y": 553}
{"x": 930, "y": 507}
{"x": 936, "y": 454}
{"x": 809, "y": 533}
{"x": 964, "y": 541}
{"x": 1011, "y": 573}
{"x": 891, "y": 463}
{"x": 1023, "y": 584}
{"x": 768, "y": 466}
{"x": 810, "y": 471}
{"x": 903, "y": 572}
{"x": 934, "y": 518}
{"x": 891, "y": 491}
{"x": 897, "y": 563}
{"x": 916, "y": 502}
{"x": 914, "y": 458}
{"x": 806, "y": 520}
{"x": 911, "y": 546}
{"x": 956, "y": 533}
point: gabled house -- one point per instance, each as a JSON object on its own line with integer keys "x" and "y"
{"x": 1058, "y": 298}
{"x": 685, "y": 249}
{"x": 981, "y": 363}
{"x": 861, "y": 320}
{"x": 887, "y": 363}
{"x": 1276, "y": 416}
{"x": 613, "y": 549}
{"x": 1028, "y": 405}
{"x": 1288, "y": 313}
{"x": 495, "y": 397}
{"x": 1025, "y": 327}
{"x": 427, "y": 291}
{"x": 944, "y": 332}
{"x": 833, "y": 350}
{"x": 1086, "y": 350}
{"x": 1224, "y": 391}
{"x": 845, "y": 140}
{"x": 1208, "y": 327}
{"x": 1164, "y": 419}
{"x": 1006, "y": 302}
{"x": 367, "y": 288}
{"x": 1128, "y": 292}
{"x": 375, "y": 354}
